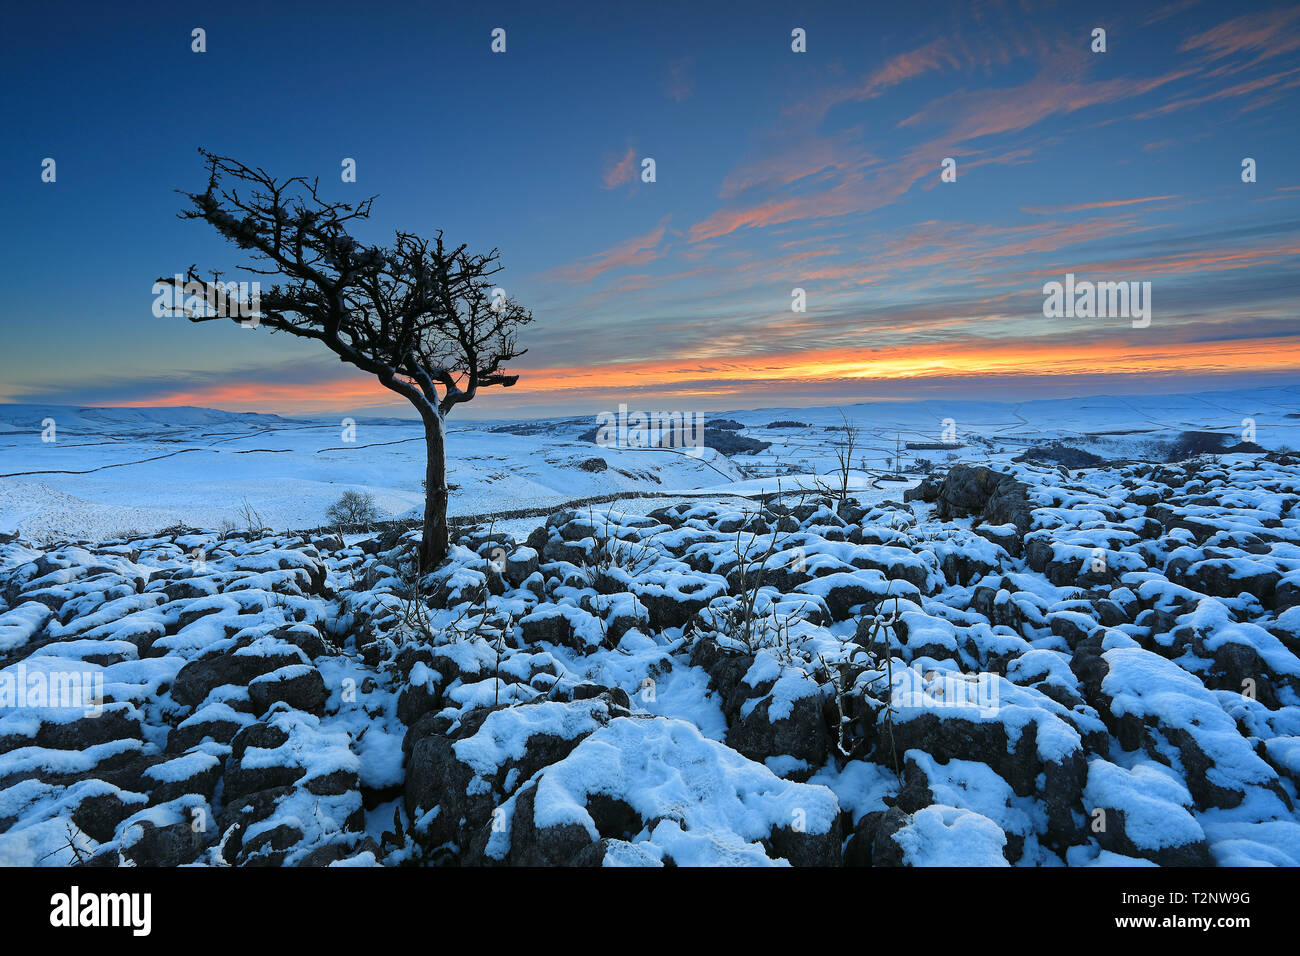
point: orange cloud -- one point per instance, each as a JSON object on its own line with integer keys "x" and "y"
{"x": 1240, "y": 89}
{"x": 726, "y": 221}
{"x": 1171, "y": 10}
{"x": 636, "y": 251}
{"x": 325, "y": 395}
{"x": 1204, "y": 260}
{"x": 733, "y": 373}
{"x": 856, "y": 192}
{"x": 1269, "y": 33}
{"x": 859, "y": 190}
{"x": 1080, "y": 207}
{"x": 622, "y": 172}
{"x": 792, "y": 163}
{"x": 957, "y": 359}
{"x": 968, "y": 52}
{"x": 992, "y": 111}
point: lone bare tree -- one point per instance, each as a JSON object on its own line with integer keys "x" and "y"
{"x": 421, "y": 316}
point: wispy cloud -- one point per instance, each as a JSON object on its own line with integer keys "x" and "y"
{"x": 620, "y": 172}
{"x": 1267, "y": 34}
{"x": 636, "y": 251}
{"x": 1082, "y": 207}
{"x": 805, "y": 160}
{"x": 989, "y": 112}
{"x": 1171, "y": 10}
{"x": 971, "y": 50}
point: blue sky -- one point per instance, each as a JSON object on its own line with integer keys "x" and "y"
{"x": 775, "y": 170}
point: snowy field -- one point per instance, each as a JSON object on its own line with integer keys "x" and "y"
{"x": 1069, "y": 636}
{"x": 111, "y": 472}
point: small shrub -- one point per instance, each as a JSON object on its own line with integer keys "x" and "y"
{"x": 353, "y": 508}
{"x": 253, "y": 522}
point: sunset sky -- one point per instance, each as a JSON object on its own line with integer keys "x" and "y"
{"x": 775, "y": 170}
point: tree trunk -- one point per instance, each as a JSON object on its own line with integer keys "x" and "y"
{"x": 434, "y": 543}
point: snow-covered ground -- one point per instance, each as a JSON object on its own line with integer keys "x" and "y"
{"x": 113, "y": 471}
{"x": 1058, "y": 661}
{"x": 117, "y": 471}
